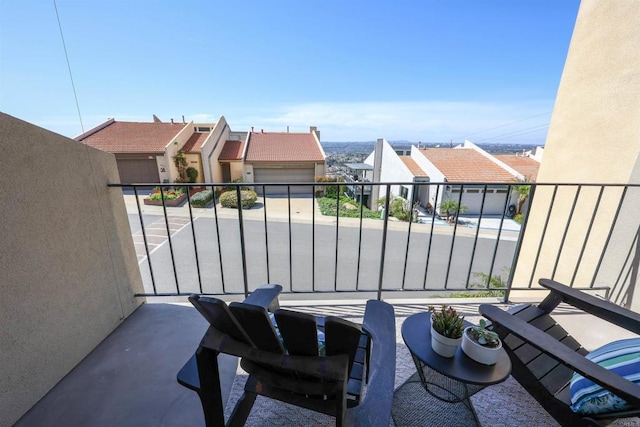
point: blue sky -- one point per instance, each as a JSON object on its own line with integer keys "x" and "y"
{"x": 428, "y": 70}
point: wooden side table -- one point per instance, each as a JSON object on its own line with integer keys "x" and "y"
{"x": 452, "y": 381}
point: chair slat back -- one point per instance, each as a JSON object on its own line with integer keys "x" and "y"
{"x": 217, "y": 313}
{"x": 299, "y": 332}
{"x": 257, "y": 325}
{"x": 342, "y": 337}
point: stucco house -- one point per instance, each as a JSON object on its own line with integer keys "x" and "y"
{"x": 460, "y": 167}
{"x": 145, "y": 152}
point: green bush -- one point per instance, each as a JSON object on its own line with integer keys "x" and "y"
{"x": 202, "y": 198}
{"x": 230, "y": 199}
{"x": 517, "y": 218}
{"x": 327, "y": 207}
{"x": 192, "y": 174}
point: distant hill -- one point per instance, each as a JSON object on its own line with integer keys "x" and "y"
{"x": 366, "y": 147}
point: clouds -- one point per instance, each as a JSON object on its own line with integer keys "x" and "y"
{"x": 414, "y": 121}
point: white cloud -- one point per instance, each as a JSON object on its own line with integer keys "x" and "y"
{"x": 414, "y": 121}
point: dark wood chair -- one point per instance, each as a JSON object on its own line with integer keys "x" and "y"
{"x": 286, "y": 364}
{"x": 544, "y": 356}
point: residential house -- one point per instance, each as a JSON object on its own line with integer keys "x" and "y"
{"x": 145, "y": 152}
{"x": 462, "y": 166}
{"x": 282, "y": 157}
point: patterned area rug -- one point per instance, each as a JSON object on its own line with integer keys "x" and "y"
{"x": 506, "y": 404}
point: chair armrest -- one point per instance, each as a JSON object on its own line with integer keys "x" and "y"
{"x": 375, "y": 408}
{"x": 603, "y": 309}
{"x": 265, "y": 296}
{"x": 563, "y": 354}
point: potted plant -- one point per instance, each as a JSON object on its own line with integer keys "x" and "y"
{"x": 481, "y": 344}
{"x": 446, "y": 330}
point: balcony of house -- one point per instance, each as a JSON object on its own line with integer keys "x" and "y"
{"x": 358, "y": 173}
{"x": 104, "y": 345}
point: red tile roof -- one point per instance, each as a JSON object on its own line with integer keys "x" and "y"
{"x": 194, "y": 143}
{"x": 283, "y": 147}
{"x": 525, "y": 165}
{"x": 133, "y": 137}
{"x": 413, "y": 166}
{"x": 466, "y": 165}
{"x": 232, "y": 150}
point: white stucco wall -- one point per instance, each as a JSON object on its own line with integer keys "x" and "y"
{"x": 210, "y": 151}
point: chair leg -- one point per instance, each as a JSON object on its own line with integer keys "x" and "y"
{"x": 210, "y": 393}
{"x": 242, "y": 409}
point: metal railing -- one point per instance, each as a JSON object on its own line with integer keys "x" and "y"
{"x": 285, "y": 239}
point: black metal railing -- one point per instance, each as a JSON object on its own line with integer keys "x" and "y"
{"x": 233, "y": 250}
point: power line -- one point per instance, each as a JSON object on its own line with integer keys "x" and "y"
{"x": 73, "y": 86}
{"x": 504, "y": 125}
{"x": 515, "y": 133}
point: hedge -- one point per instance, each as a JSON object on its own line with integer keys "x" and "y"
{"x": 202, "y": 198}
{"x": 230, "y": 199}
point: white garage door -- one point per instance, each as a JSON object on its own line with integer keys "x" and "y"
{"x": 284, "y": 175}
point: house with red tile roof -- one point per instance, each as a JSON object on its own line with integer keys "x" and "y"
{"x": 145, "y": 152}
{"x": 470, "y": 176}
{"x": 281, "y": 157}
{"x": 524, "y": 163}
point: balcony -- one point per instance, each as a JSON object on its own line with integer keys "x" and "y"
{"x": 326, "y": 264}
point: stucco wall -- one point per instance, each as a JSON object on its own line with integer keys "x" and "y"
{"x": 69, "y": 265}
{"x": 210, "y": 151}
{"x": 594, "y": 137}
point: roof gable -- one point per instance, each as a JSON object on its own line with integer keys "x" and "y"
{"x": 132, "y": 137}
{"x": 413, "y": 167}
{"x": 466, "y": 165}
{"x": 523, "y": 164}
{"x": 283, "y": 147}
{"x": 194, "y": 143}
{"x": 232, "y": 150}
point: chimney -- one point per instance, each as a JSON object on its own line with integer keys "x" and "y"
{"x": 251, "y": 129}
{"x": 183, "y": 122}
{"x": 287, "y": 129}
{"x": 172, "y": 121}
{"x": 261, "y": 130}
{"x": 314, "y": 129}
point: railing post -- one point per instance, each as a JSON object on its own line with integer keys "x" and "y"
{"x": 242, "y": 246}
{"x": 384, "y": 240}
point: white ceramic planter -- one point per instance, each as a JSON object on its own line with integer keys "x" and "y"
{"x": 481, "y": 354}
{"x": 444, "y": 346}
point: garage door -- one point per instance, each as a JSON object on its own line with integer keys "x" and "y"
{"x": 138, "y": 170}
{"x": 285, "y": 175}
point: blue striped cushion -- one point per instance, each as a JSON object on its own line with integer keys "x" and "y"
{"x": 621, "y": 357}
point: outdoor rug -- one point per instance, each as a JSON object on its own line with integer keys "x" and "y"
{"x": 504, "y": 404}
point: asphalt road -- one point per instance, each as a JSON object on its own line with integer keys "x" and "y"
{"x": 302, "y": 257}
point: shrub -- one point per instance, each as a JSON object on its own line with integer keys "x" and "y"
{"x": 348, "y": 208}
{"x": 192, "y": 174}
{"x": 517, "y": 218}
{"x": 202, "y": 198}
{"x": 229, "y": 199}
{"x": 168, "y": 195}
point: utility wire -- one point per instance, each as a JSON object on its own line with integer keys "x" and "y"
{"x": 73, "y": 86}
{"x": 504, "y": 125}
{"x": 515, "y": 134}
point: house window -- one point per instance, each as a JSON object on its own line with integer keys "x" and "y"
{"x": 203, "y": 129}
{"x": 404, "y": 192}
{"x": 475, "y": 190}
{"x": 501, "y": 191}
{"x": 455, "y": 190}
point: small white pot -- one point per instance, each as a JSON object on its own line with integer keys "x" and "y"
{"x": 444, "y": 346}
{"x": 477, "y": 352}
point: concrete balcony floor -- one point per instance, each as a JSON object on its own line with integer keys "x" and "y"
{"x": 130, "y": 378}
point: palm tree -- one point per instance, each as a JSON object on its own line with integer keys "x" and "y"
{"x": 523, "y": 190}
{"x": 450, "y": 206}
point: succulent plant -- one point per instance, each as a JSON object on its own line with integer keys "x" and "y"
{"x": 446, "y": 321}
{"x": 484, "y": 336}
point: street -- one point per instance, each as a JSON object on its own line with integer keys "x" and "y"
{"x": 299, "y": 265}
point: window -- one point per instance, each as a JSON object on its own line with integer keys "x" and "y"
{"x": 473, "y": 190}
{"x": 501, "y": 191}
{"x": 404, "y": 192}
{"x": 203, "y": 129}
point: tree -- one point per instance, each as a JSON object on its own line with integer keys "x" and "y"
{"x": 523, "y": 190}
{"x": 451, "y": 207}
{"x": 180, "y": 160}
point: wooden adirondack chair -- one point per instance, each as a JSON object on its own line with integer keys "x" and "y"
{"x": 289, "y": 364}
{"x": 544, "y": 356}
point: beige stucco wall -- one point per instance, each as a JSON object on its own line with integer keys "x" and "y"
{"x": 594, "y": 137}
{"x": 235, "y": 169}
{"x": 175, "y": 145}
{"x": 69, "y": 269}
{"x": 194, "y": 162}
{"x": 211, "y": 150}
